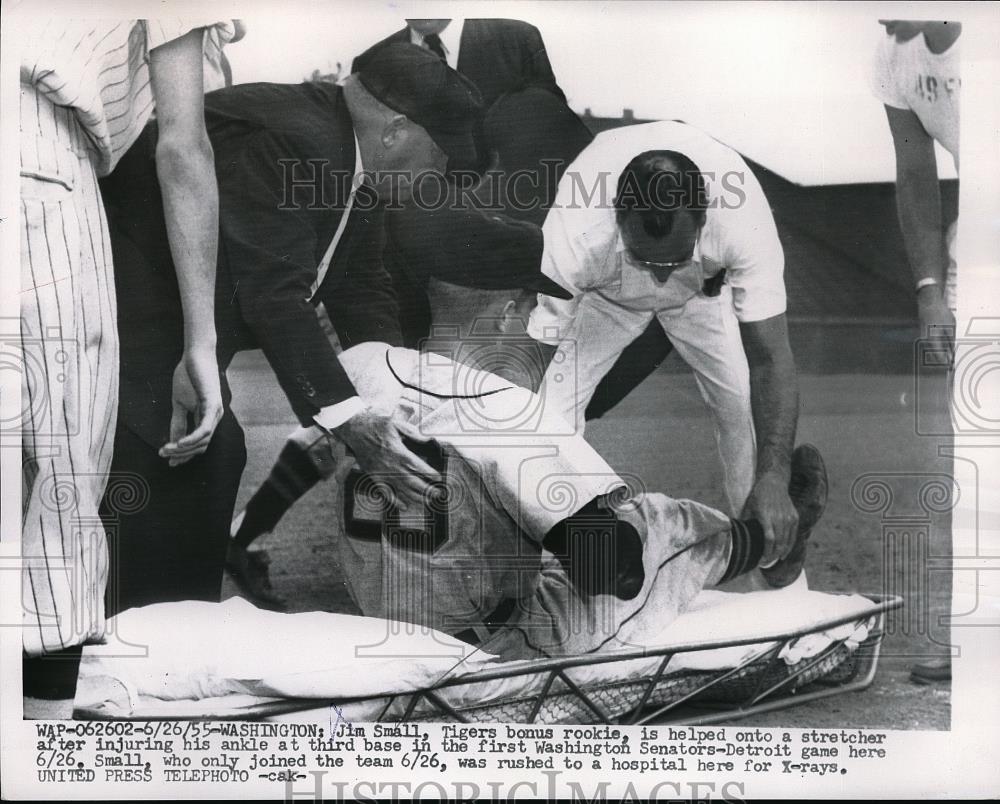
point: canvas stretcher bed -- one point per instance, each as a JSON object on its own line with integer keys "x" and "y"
{"x": 682, "y": 681}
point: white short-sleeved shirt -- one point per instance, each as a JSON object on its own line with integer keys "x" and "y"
{"x": 907, "y": 75}
{"x": 584, "y": 251}
{"x": 100, "y": 68}
{"x": 214, "y": 73}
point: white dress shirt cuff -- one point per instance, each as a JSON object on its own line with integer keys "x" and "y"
{"x": 332, "y": 416}
{"x": 545, "y": 327}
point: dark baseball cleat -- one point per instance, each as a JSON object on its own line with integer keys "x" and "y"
{"x": 601, "y": 554}
{"x": 249, "y": 571}
{"x": 807, "y": 488}
{"x": 931, "y": 671}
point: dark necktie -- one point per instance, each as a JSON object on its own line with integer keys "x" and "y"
{"x": 433, "y": 42}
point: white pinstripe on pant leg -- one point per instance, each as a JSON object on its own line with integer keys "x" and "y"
{"x": 70, "y": 385}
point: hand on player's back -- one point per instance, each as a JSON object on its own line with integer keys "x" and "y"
{"x": 377, "y": 444}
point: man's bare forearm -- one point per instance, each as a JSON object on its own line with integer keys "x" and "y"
{"x": 186, "y": 170}
{"x": 774, "y": 399}
{"x": 918, "y": 202}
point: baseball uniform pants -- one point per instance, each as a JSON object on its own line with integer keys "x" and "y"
{"x": 69, "y": 385}
{"x": 686, "y": 547}
{"x": 951, "y": 274}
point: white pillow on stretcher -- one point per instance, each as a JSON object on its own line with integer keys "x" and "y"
{"x": 197, "y": 650}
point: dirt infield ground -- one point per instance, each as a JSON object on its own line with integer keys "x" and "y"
{"x": 864, "y": 424}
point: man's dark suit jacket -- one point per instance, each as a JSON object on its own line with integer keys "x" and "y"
{"x": 499, "y": 56}
{"x": 273, "y": 235}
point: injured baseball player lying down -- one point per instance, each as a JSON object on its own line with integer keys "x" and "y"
{"x": 532, "y": 545}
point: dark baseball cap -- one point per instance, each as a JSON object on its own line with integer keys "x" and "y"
{"x": 470, "y": 248}
{"x": 415, "y": 82}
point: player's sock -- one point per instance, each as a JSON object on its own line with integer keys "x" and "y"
{"x": 292, "y": 475}
{"x": 748, "y": 547}
{"x": 52, "y": 676}
{"x": 600, "y": 553}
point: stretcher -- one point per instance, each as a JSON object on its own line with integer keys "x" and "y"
{"x": 823, "y": 645}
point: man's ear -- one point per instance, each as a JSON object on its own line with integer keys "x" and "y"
{"x": 507, "y": 315}
{"x": 394, "y": 131}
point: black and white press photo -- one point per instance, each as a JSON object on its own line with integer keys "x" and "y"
{"x": 541, "y": 399}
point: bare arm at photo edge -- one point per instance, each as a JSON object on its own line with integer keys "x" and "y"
{"x": 918, "y": 204}
{"x": 186, "y": 170}
{"x": 774, "y": 400}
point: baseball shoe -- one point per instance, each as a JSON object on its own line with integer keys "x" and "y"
{"x": 807, "y": 489}
{"x": 249, "y": 571}
{"x": 930, "y": 671}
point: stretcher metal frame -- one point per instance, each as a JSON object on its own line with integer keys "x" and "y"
{"x": 759, "y": 700}
{"x": 772, "y": 691}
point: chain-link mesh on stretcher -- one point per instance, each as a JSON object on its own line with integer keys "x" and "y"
{"x": 544, "y": 691}
{"x": 761, "y": 683}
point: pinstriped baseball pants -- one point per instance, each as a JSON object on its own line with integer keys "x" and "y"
{"x": 69, "y": 388}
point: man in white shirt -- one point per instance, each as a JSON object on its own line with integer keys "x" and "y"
{"x": 916, "y": 75}
{"x": 662, "y": 220}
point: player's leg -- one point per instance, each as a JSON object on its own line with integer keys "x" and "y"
{"x": 706, "y": 334}
{"x": 931, "y": 670}
{"x": 951, "y": 272}
{"x": 69, "y": 394}
{"x": 304, "y": 460}
{"x": 684, "y": 544}
{"x": 307, "y": 457}
{"x": 687, "y": 547}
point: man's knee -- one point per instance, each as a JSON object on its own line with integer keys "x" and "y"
{"x": 600, "y": 552}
